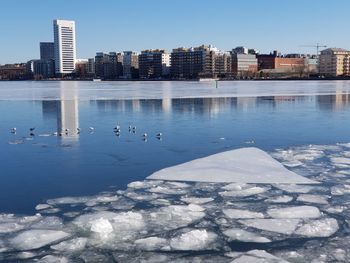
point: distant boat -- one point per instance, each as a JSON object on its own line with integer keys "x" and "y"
{"x": 96, "y": 80}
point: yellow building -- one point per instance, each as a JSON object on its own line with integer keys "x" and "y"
{"x": 334, "y": 62}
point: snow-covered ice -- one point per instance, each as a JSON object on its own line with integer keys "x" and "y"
{"x": 239, "y": 213}
{"x": 167, "y": 221}
{"x": 316, "y": 199}
{"x": 245, "y": 236}
{"x": 319, "y": 228}
{"x": 36, "y": 238}
{"x": 245, "y": 165}
{"x": 295, "y": 212}
{"x": 282, "y": 226}
{"x": 198, "y": 239}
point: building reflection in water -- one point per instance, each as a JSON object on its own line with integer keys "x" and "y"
{"x": 65, "y": 111}
{"x": 68, "y": 112}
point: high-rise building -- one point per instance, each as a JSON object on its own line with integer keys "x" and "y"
{"x": 130, "y": 64}
{"x": 334, "y": 62}
{"x": 64, "y": 46}
{"x": 47, "y": 51}
{"x": 154, "y": 64}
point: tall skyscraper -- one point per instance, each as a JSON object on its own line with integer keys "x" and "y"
{"x": 47, "y": 50}
{"x": 64, "y": 43}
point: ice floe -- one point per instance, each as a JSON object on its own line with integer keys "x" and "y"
{"x": 245, "y": 165}
{"x": 282, "y": 226}
{"x": 198, "y": 239}
{"x": 175, "y": 221}
{"x": 239, "y": 213}
{"x": 244, "y": 236}
{"x": 316, "y": 199}
{"x": 295, "y": 212}
{"x": 36, "y": 238}
{"x": 319, "y": 228}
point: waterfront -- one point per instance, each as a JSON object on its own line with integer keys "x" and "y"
{"x": 196, "y": 120}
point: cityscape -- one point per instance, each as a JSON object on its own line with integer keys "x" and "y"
{"x": 58, "y": 61}
{"x": 174, "y": 131}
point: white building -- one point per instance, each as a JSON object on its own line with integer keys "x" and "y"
{"x": 64, "y": 45}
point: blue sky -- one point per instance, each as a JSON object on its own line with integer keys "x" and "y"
{"x": 115, "y": 25}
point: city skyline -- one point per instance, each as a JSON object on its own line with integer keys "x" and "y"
{"x": 119, "y": 26}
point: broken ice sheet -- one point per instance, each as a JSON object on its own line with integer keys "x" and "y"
{"x": 245, "y": 165}
{"x": 244, "y": 236}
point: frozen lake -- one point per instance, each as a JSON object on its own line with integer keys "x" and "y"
{"x": 95, "y": 203}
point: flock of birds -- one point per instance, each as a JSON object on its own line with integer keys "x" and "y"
{"x": 116, "y": 130}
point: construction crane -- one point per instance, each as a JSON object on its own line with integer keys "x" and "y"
{"x": 317, "y": 46}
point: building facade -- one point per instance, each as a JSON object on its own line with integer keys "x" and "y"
{"x": 199, "y": 62}
{"x": 108, "y": 66}
{"x": 47, "y": 51}
{"x": 130, "y": 65}
{"x": 154, "y": 64}
{"x": 64, "y": 46}
{"x": 244, "y": 62}
{"x": 334, "y": 62}
{"x": 41, "y": 68}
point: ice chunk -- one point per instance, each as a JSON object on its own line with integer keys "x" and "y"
{"x": 340, "y": 160}
{"x": 9, "y": 227}
{"x": 317, "y": 199}
{"x": 174, "y": 216}
{"x": 107, "y": 222}
{"x": 75, "y": 244}
{"x": 280, "y": 199}
{"x": 36, "y": 238}
{"x": 53, "y": 259}
{"x": 25, "y": 255}
{"x": 198, "y": 239}
{"x": 258, "y": 256}
{"x": 42, "y": 206}
{"x": 238, "y": 213}
{"x": 151, "y": 243}
{"x": 197, "y": 200}
{"x": 295, "y": 212}
{"x": 144, "y": 184}
{"x": 245, "y": 192}
{"x": 319, "y": 228}
{"x": 245, "y": 236}
{"x": 245, "y": 165}
{"x": 102, "y": 226}
{"x": 68, "y": 200}
{"x": 165, "y": 190}
{"x": 293, "y": 188}
{"x": 282, "y": 226}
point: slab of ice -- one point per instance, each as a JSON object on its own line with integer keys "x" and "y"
{"x": 152, "y": 243}
{"x": 75, "y": 244}
{"x": 174, "y": 216}
{"x": 316, "y": 199}
{"x": 36, "y": 238}
{"x": 239, "y": 213}
{"x": 245, "y": 165}
{"x": 294, "y": 188}
{"x": 9, "y": 227}
{"x": 258, "y": 256}
{"x": 295, "y": 212}
{"x": 42, "y": 206}
{"x": 319, "y": 228}
{"x": 282, "y": 226}
{"x": 197, "y": 200}
{"x": 198, "y": 239}
{"x": 280, "y": 199}
{"x": 245, "y": 192}
{"x": 53, "y": 259}
{"x": 244, "y": 236}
